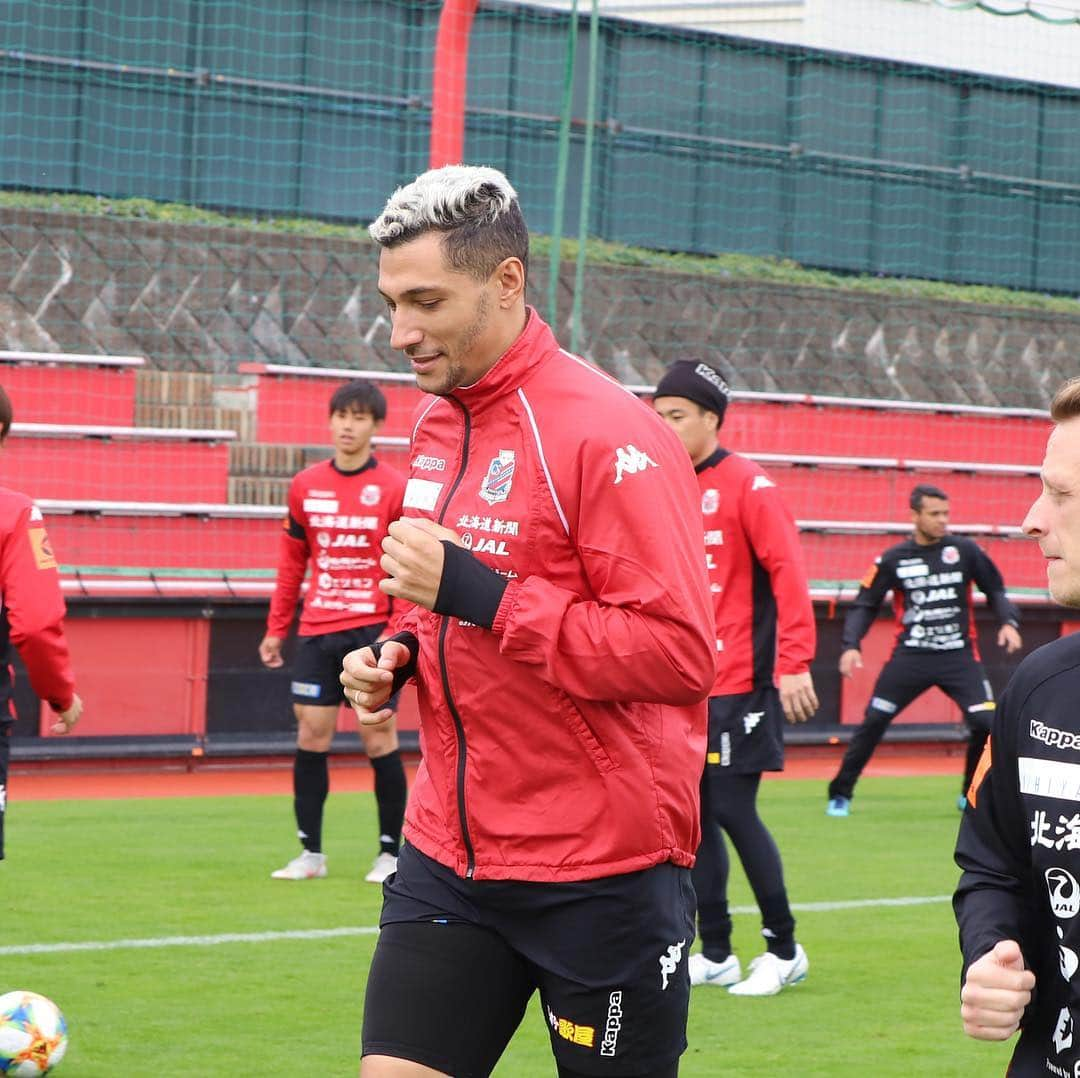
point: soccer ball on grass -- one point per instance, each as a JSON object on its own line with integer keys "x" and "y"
{"x": 33, "y": 1035}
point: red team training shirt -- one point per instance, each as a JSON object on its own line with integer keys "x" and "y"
{"x": 336, "y": 521}
{"x": 31, "y": 605}
{"x": 757, "y": 575}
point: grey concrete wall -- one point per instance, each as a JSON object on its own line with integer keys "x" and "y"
{"x": 205, "y": 299}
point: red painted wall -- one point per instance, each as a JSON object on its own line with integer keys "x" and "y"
{"x": 139, "y": 675}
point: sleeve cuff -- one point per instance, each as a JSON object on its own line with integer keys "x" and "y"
{"x": 403, "y": 673}
{"x": 469, "y": 590}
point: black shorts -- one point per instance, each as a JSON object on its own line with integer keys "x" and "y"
{"x": 958, "y": 674}
{"x": 5, "y": 756}
{"x": 316, "y": 670}
{"x": 746, "y": 733}
{"x": 458, "y": 960}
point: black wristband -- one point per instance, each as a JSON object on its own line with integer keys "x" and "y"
{"x": 468, "y": 590}
{"x": 402, "y": 673}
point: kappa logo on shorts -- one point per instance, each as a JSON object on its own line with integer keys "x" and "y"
{"x": 612, "y": 1025}
{"x": 751, "y": 719}
{"x": 669, "y": 962}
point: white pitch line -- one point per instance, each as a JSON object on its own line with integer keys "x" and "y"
{"x": 856, "y": 904}
{"x": 371, "y": 930}
{"x": 191, "y": 941}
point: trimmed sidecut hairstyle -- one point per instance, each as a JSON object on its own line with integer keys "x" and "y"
{"x": 1066, "y": 402}
{"x": 475, "y": 208}
{"x": 925, "y": 490}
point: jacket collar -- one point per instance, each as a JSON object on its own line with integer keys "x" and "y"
{"x": 533, "y": 346}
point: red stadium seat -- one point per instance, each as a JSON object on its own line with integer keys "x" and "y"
{"x": 54, "y": 387}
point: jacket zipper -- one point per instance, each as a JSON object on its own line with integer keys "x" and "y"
{"x": 459, "y": 727}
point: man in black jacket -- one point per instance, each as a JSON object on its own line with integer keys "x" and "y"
{"x": 1018, "y": 900}
{"x": 931, "y": 575}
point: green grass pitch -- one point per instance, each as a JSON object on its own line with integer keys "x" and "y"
{"x": 881, "y": 998}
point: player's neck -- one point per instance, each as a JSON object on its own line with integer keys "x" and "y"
{"x": 352, "y": 462}
{"x": 922, "y": 539}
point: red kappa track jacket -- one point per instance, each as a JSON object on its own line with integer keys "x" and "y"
{"x": 764, "y": 616}
{"x": 566, "y": 742}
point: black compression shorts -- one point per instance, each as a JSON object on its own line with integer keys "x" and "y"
{"x": 458, "y": 960}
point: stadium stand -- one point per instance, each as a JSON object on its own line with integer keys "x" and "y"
{"x": 145, "y": 507}
{"x": 68, "y": 460}
{"x": 55, "y": 388}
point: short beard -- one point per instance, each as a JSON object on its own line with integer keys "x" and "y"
{"x": 455, "y": 371}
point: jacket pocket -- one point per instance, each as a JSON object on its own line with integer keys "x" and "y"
{"x": 583, "y": 733}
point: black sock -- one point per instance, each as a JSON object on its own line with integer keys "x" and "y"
{"x": 311, "y": 783}
{"x": 390, "y": 794}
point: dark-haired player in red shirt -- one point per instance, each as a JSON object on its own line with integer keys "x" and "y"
{"x": 31, "y": 617}
{"x": 765, "y": 641}
{"x": 339, "y": 511}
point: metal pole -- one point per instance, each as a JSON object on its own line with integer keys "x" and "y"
{"x": 555, "y": 257}
{"x": 586, "y": 177}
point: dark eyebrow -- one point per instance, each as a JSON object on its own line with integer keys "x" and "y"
{"x": 412, "y": 293}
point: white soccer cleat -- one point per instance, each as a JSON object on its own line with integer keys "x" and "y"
{"x": 384, "y": 865}
{"x": 705, "y": 971}
{"x": 308, "y": 866}
{"x": 769, "y": 974}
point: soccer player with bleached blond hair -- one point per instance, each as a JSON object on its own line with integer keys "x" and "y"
{"x": 559, "y": 632}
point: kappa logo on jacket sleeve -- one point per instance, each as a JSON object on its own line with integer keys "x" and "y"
{"x": 761, "y": 482}
{"x": 630, "y": 460}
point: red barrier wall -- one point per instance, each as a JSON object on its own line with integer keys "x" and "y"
{"x": 42, "y": 393}
{"x": 120, "y": 469}
{"x": 139, "y": 675}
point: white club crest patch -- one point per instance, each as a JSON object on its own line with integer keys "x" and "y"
{"x": 710, "y": 501}
{"x": 950, "y": 555}
{"x": 500, "y": 476}
{"x": 370, "y": 494}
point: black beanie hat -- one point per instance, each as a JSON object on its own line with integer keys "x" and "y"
{"x": 698, "y": 382}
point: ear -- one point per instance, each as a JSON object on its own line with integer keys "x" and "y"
{"x": 510, "y": 277}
